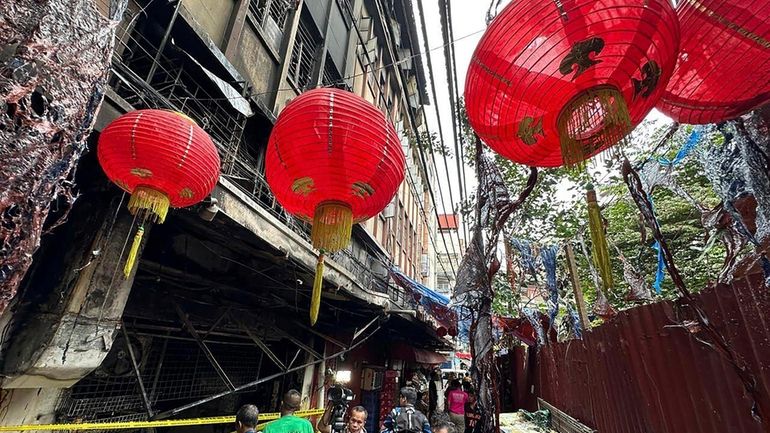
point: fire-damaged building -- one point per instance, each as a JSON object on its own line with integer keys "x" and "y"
{"x": 215, "y": 314}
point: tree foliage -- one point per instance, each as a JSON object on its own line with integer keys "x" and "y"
{"x": 556, "y": 213}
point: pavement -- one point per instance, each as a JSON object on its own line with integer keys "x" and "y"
{"x": 514, "y": 422}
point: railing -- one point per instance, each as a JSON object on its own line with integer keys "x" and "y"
{"x": 270, "y": 16}
{"x": 304, "y": 55}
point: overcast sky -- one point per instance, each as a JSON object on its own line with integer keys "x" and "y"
{"x": 468, "y": 26}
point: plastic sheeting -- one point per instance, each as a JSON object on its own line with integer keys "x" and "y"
{"x": 655, "y": 173}
{"x": 734, "y": 169}
{"x": 473, "y": 288}
{"x": 548, "y": 258}
{"x": 52, "y": 82}
{"x": 639, "y": 290}
{"x": 528, "y": 257}
{"x": 602, "y": 306}
{"x": 436, "y": 304}
{"x": 754, "y": 143}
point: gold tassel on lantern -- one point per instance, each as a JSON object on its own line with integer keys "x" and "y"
{"x": 148, "y": 205}
{"x": 133, "y": 252}
{"x": 332, "y": 227}
{"x": 149, "y": 202}
{"x": 595, "y": 119}
{"x": 599, "y": 249}
{"x": 315, "y": 299}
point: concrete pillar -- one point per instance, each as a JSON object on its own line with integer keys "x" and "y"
{"x": 66, "y": 337}
{"x": 320, "y": 378}
{"x": 29, "y": 406}
{"x": 307, "y": 382}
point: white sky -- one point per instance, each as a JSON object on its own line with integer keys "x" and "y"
{"x": 467, "y": 19}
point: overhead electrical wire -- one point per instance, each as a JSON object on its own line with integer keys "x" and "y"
{"x": 413, "y": 125}
{"x": 445, "y": 12}
{"x": 440, "y": 129}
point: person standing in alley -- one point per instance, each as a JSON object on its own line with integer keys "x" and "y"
{"x": 288, "y": 423}
{"x": 455, "y": 402}
{"x": 356, "y": 420}
{"x": 473, "y": 414}
{"x": 436, "y": 390}
{"x": 404, "y": 418}
{"x": 444, "y": 427}
{"x": 246, "y": 419}
{"x": 422, "y": 403}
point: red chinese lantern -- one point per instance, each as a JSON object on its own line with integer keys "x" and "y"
{"x": 724, "y": 61}
{"x": 163, "y": 159}
{"x": 553, "y": 83}
{"x": 333, "y": 160}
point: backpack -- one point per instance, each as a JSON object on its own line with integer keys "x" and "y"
{"x": 408, "y": 420}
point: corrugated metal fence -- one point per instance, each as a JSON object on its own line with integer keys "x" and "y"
{"x": 644, "y": 372}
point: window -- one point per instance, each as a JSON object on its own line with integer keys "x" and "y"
{"x": 331, "y": 76}
{"x": 270, "y": 16}
{"x": 305, "y": 53}
{"x": 442, "y": 286}
{"x": 347, "y": 11}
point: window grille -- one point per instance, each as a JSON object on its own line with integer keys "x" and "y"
{"x": 270, "y": 16}
{"x": 331, "y": 76}
{"x": 277, "y": 11}
{"x": 303, "y": 56}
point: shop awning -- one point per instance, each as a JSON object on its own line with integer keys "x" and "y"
{"x": 412, "y": 354}
{"x": 429, "y": 358}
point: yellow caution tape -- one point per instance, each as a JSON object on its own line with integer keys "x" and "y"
{"x": 148, "y": 424}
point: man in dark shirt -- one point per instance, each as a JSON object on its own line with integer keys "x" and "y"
{"x": 404, "y": 418}
{"x": 246, "y": 419}
{"x": 473, "y": 414}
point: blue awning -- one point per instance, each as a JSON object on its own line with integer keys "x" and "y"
{"x": 408, "y": 283}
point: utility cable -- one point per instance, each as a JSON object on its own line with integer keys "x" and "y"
{"x": 445, "y": 12}
{"x": 413, "y": 126}
{"x": 438, "y": 118}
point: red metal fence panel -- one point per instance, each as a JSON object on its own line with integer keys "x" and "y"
{"x": 643, "y": 372}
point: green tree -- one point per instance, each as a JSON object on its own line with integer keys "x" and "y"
{"x": 556, "y": 212}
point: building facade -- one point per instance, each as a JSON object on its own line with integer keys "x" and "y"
{"x": 218, "y": 304}
{"x": 449, "y": 256}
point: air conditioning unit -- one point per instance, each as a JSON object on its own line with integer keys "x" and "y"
{"x": 424, "y": 265}
{"x": 390, "y": 210}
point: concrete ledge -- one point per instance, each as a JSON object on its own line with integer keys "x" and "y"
{"x": 247, "y": 212}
